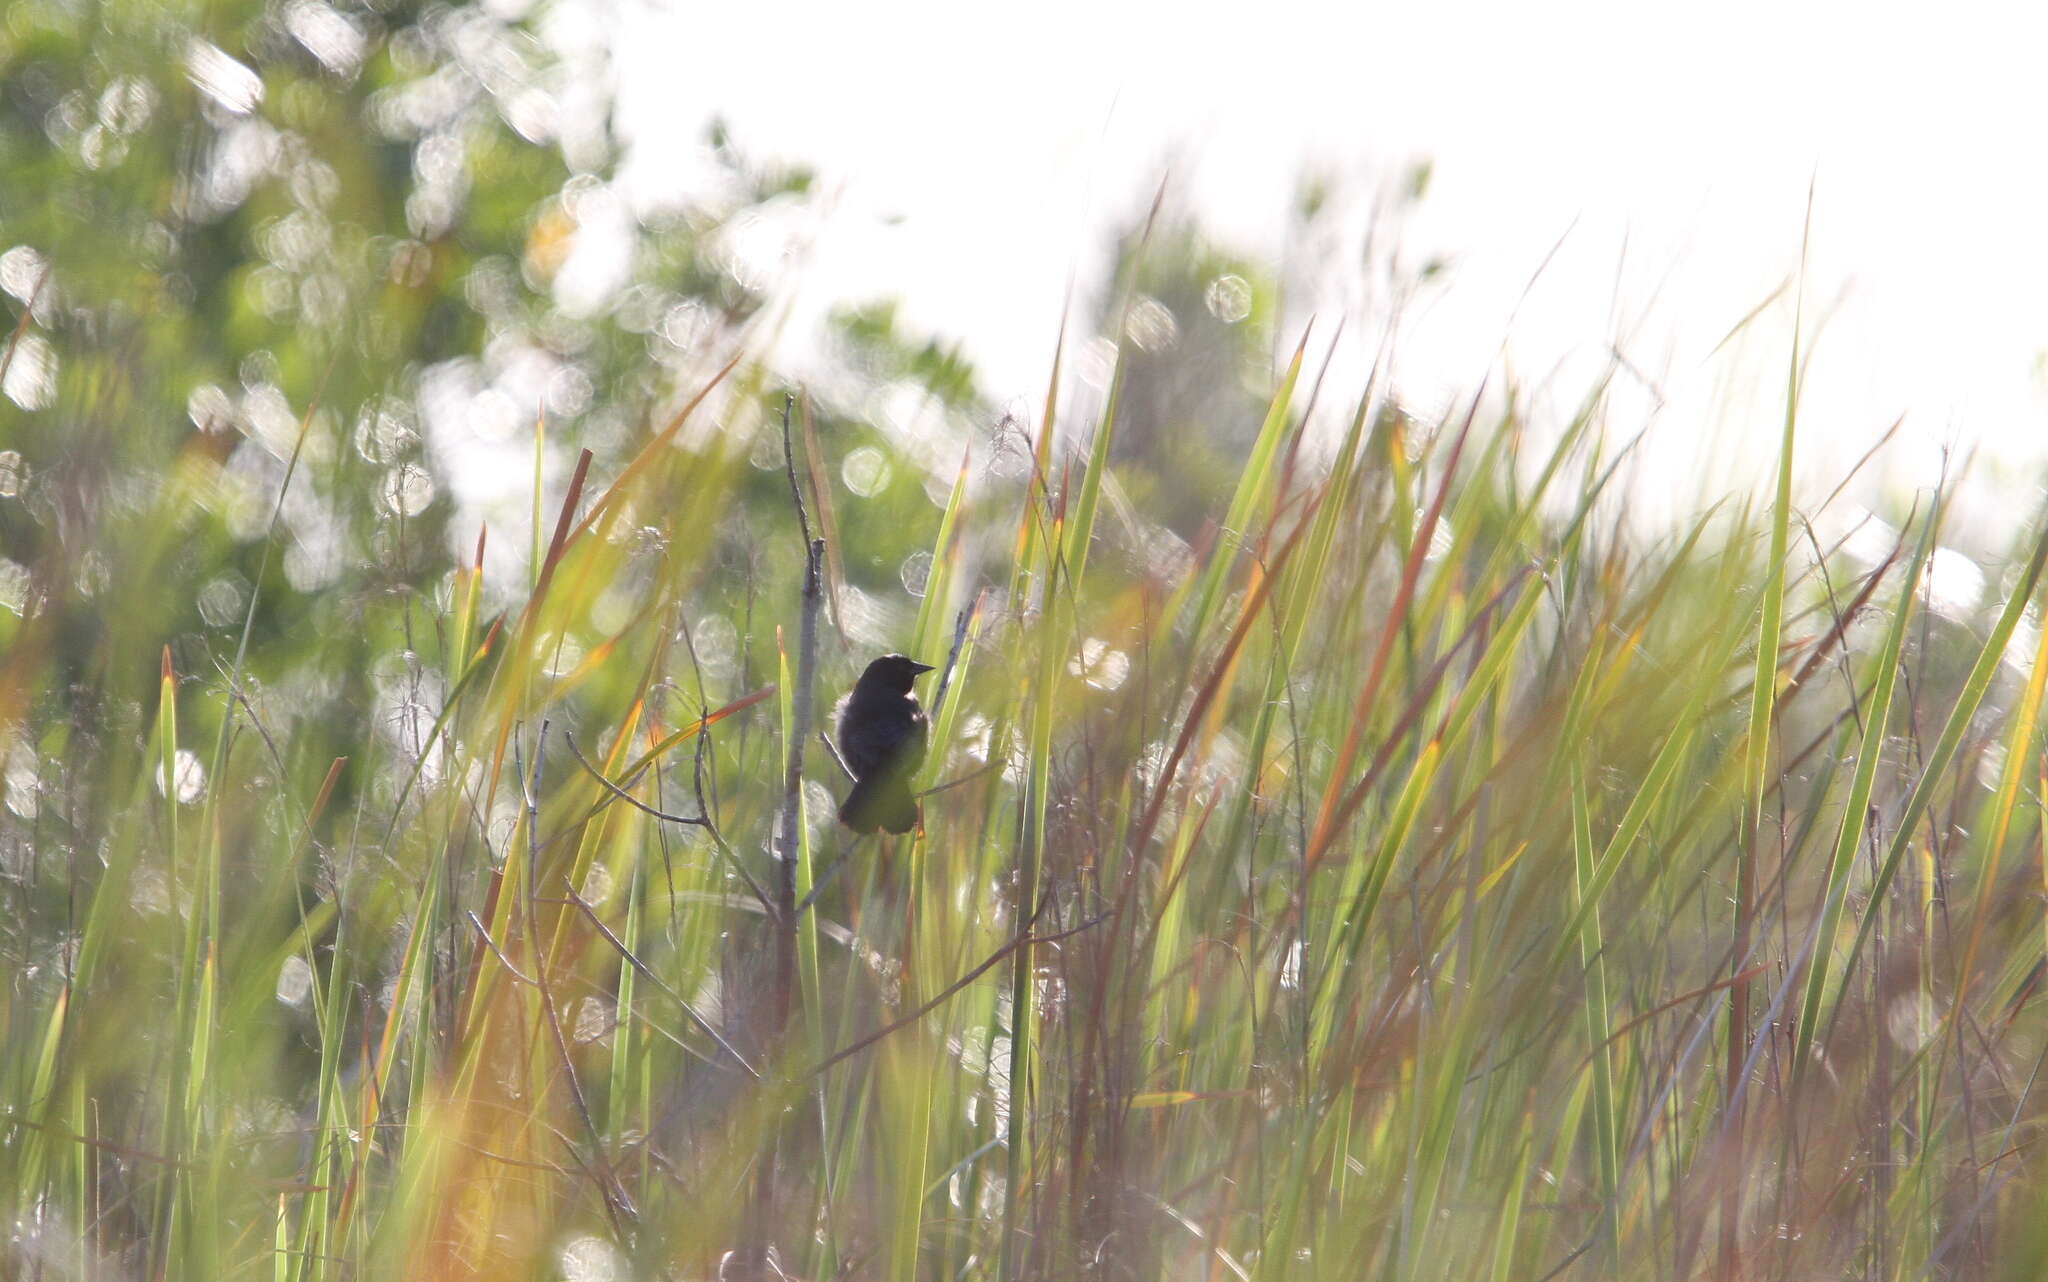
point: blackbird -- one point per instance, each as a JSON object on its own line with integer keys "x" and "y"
{"x": 882, "y": 735}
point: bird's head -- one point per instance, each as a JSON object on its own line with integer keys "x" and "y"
{"x": 893, "y": 672}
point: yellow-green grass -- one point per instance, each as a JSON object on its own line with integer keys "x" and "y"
{"x": 1440, "y": 882}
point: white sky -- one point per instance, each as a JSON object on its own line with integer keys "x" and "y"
{"x": 978, "y": 154}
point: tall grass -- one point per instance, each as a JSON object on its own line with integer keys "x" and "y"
{"x": 1420, "y": 879}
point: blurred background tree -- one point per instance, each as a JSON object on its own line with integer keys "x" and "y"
{"x": 377, "y": 239}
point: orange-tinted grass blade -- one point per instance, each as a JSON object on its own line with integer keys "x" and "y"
{"x": 1425, "y": 691}
{"x": 649, "y": 452}
{"x": 326, "y": 793}
{"x": 1166, "y": 1099}
{"x": 1327, "y": 819}
{"x": 701, "y": 724}
{"x": 1205, "y": 694}
{"x": 564, "y": 527}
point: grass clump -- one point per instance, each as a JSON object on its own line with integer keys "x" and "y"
{"x": 1369, "y": 889}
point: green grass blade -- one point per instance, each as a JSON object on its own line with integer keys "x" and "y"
{"x": 1869, "y": 754}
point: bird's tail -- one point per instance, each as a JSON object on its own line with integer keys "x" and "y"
{"x": 880, "y": 803}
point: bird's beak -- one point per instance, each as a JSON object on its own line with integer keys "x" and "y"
{"x": 916, "y": 667}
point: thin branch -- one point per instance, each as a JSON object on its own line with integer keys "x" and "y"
{"x": 957, "y": 780}
{"x": 833, "y": 748}
{"x": 694, "y": 821}
{"x": 498, "y": 952}
{"x": 820, "y": 885}
{"x": 796, "y": 492}
{"x": 1022, "y": 940}
{"x": 701, "y": 820}
{"x": 960, "y": 624}
{"x": 703, "y": 1025}
{"x": 789, "y": 843}
{"x": 801, "y": 716}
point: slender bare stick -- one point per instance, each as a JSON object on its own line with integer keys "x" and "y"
{"x": 789, "y": 836}
{"x": 702, "y": 819}
{"x": 1023, "y": 939}
{"x": 960, "y": 623}
{"x": 801, "y": 715}
{"x": 619, "y": 945}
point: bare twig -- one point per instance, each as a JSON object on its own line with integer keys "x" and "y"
{"x": 969, "y": 777}
{"x": 701, "y": 820}
{"x": 822, "y": 883}
{"x": 703, "y": 1025}
{"x": 833, "y": 748}
{"x": 796, "y": 491}
{"x": 1023, "y": 939}
{"x": 790, "y": 837}
{"x": 801, "y": 716}
{"x": 695, "y": 821}
{"x": 960, "y": 625}
{"x": 498, "y": 952}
